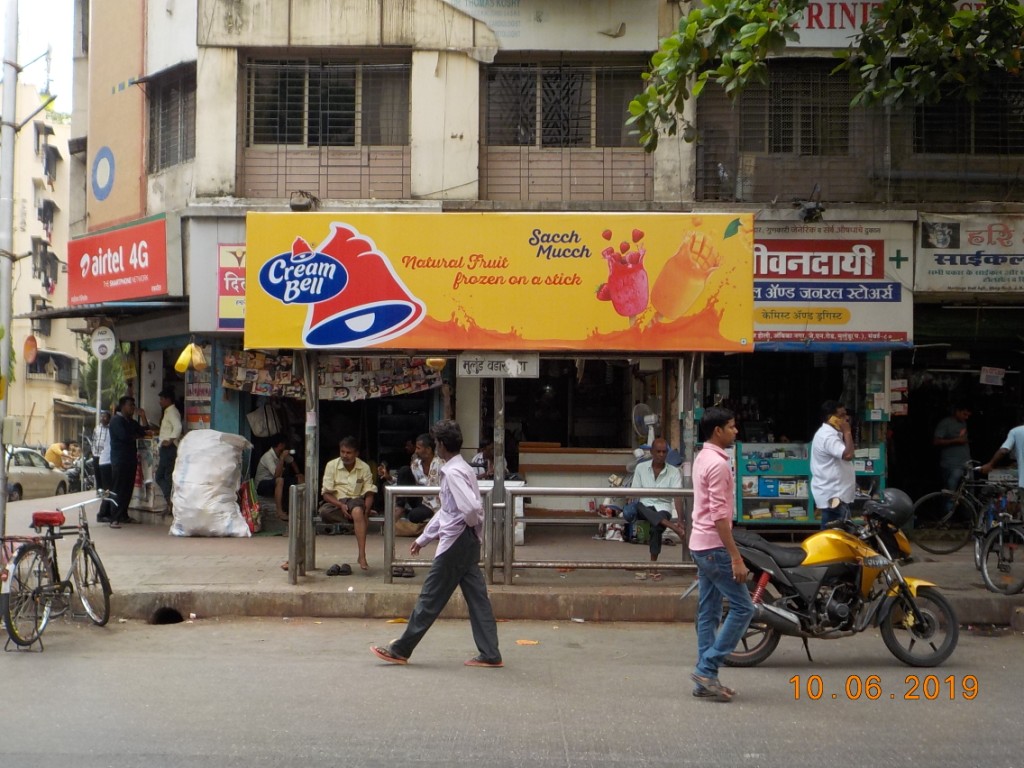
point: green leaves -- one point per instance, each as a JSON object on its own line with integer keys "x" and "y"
{"x": 727, "y": 41}
{"x": 910, "y": 51}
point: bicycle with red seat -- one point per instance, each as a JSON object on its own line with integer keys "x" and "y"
{"x": 31, "y": 588}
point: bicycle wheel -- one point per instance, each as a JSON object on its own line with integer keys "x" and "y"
{"x": 1002, "y": 564}
{"x": 30, "y": 586}
{"x": 91, "y": 583}
{"x": 942, "y": 523}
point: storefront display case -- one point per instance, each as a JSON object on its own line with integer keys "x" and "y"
{"x": 773, "y": 482}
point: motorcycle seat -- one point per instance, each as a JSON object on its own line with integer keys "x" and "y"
{"x": 787, "y": 557}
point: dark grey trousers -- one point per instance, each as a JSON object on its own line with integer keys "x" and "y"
{"x": 654, "y": 517}
{"x": 456, "y": 567}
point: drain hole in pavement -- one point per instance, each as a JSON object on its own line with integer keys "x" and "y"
{"x": 166, "y": 616}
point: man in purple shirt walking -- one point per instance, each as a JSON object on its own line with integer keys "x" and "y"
{"x": 459, "y": 528}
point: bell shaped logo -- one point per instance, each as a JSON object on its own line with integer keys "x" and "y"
{"x": 372, "y": 305}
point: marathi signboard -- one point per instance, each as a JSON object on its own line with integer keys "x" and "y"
{"x": 477, "y": 366}
{"x": 970, "y": 254}
{"x": 231, "y": 287}
{"x": 832, "y": 286}
{"x": 499, "y": 281}
{"x": 123, "y": 263}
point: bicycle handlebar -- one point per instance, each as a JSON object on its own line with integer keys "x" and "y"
{"x": 100, "y": 496}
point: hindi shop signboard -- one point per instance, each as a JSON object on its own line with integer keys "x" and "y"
{"x": 118, "y": 264}
{"x": 499, "y": 282}
{"x": 833, "y": 286}
{"x": 970, "y": 254}
{"x": 230, "y": 287}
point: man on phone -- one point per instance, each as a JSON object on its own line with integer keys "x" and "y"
{"x": 833, "y": 480}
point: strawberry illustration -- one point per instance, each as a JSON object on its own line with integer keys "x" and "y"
{"x": 627, "y": 283}
{"x": 627, "y": 287}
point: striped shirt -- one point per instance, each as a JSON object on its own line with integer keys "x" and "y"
{"x": 461, "y": 506}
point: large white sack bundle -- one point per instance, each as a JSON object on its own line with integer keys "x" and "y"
{"x": 207, "y": 475}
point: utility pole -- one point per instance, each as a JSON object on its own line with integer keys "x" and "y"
{"x": 8, "y": 130}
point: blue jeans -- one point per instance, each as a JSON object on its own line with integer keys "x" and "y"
{"x": 714, "y": 643}
{"x": 833, "y": 514}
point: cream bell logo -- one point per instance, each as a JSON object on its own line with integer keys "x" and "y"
{"x": 355, "y": 298}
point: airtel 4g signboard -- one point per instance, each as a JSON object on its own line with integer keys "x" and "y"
{"x": 128, "y": 262}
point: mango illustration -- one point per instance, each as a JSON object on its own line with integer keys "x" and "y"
{"x": 683, "y": 277}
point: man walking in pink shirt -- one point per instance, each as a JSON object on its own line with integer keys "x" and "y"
{"x": 721, "y": 572}
{"x": 459, "y": 527}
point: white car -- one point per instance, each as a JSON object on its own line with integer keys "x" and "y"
{"x": 30, "y": 476}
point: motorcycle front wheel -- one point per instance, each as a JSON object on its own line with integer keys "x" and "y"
{"x": 758, "y": 642}
{"x": 927, "y": 643}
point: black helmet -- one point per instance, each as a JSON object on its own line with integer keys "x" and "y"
{"x": 895, "y": 507}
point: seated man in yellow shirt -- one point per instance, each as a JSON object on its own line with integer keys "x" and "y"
{"x": 57, "y": 454}
{"x": 348, "y": 492}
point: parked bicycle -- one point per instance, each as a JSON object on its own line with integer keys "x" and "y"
{"x": 945, "y": 520}
{"x": 1002, "y": 559}
{"x": 32, "y": 590}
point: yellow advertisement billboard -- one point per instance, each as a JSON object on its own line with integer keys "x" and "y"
{"x": 637, "y": 282}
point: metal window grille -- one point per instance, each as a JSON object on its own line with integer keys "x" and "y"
{"x": 323, "y": 104}
{"x": 993, "y": 125}
{"x": 172, "y": 119}
{"x": 565, "y": 105}
{"x": 802, "y": 110}
{"x": 780, "y": 141}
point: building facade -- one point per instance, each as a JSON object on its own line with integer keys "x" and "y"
{"x": 189, "y": 116}
{"x": 43, "y": 397}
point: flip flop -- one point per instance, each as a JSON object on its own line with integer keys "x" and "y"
{"x": 384, "y": 653}
{"x": 712, "y": 685}
{"x": 656, "y": 576}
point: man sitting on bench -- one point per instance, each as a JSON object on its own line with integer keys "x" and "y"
{"x": 277, "y": 473}
{"x": 348, "y": 490}
{"x": 657, "y": 510}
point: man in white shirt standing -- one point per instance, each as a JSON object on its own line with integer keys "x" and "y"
{"x": 170, "y": 434}
{"x": 101, "y": 467}
{"x": 833, "y": 480}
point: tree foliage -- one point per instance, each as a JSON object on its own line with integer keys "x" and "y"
{"x": 910, "y": 51}
{"x": 114, "y": 383}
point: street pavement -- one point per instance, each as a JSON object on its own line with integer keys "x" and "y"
{"x": 270, "y": 692}
{"x": 156, "y": 576}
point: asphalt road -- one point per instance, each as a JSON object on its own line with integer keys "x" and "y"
{"x": 306, "y": 692}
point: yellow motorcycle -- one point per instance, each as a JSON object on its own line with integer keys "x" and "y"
{"x": 842, "y": 580}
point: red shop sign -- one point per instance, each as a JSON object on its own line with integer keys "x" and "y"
{"x": 125, "y": 263}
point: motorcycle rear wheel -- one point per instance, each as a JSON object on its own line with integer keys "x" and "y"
{"x": 758, "y": 642}
{"x": 925, "y": 645}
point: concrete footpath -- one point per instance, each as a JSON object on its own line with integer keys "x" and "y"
{"x": 154, "y": 575}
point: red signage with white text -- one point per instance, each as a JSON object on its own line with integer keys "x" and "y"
{"x": 124, "y": 263}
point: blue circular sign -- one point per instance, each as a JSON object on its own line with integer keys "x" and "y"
{"x": 103, "y": 173}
